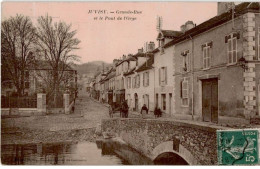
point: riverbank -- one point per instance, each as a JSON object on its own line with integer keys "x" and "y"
{"x": 27, "y": 136}
{"x": 79, "y": 126}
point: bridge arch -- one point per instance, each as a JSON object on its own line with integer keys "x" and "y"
{"x": 165, "y": 149}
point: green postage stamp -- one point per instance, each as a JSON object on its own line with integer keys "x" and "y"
{"x": 237, "y": 147}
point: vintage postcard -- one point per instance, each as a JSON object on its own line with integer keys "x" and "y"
{"x": 130, "y": 83}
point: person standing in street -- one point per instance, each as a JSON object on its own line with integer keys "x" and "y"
{"x": 126, "y": 109}
{"x": 144, "y": 110}
{"x": 110, "y": 111}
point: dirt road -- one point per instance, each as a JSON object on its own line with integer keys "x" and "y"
{"x": 56, "y": 128}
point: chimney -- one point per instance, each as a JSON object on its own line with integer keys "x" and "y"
{"x": 151, "y": 46}
{"x": 115, "y": 61}
{"x": 183, "y": 28}
{"x": 124, "y": 57}
{"x": 189, "y": 25}
{"x": 140, "y": 50}
{"x": 224, "y": 7}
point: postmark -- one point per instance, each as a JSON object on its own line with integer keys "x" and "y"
{"x": 237, "y": 147}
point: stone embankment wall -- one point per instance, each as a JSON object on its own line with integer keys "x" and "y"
{"x": 195, "y": 143}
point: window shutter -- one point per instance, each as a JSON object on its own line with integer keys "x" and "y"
{"x": 165, "y": 75}
{"x": 143, "y": 79}
{"x": 159, "y": 76}
{"x": 138, "y": 80}
{"x": 181, "y": 88}
{"x": 129, "y": 82}
{"x": 185, "y": 89}
{"x": 133, "y": 82}
{"x": 147, "y": 78}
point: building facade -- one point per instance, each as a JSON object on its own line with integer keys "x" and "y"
{"x": 210, "y": 83}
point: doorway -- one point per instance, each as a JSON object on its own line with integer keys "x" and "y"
{"x": 170, "y": 103}
{"x": 136, "y": 102}
{"x": 210, "y": 100}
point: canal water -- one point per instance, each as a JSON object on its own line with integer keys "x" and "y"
{"x": 82, "y": 153}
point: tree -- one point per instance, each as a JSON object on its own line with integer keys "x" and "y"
{"x": 56, "y": 42}
{"x": 17, "y": 40}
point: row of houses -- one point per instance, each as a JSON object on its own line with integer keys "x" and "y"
{"x": 207, "y": 72}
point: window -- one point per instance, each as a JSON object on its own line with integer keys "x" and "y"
{"x": 232, "y": 49}
{"x": 129, "y": 82}
{"x": 137, "y": 81}
{"x": 163, "y": 102}
{"x": 186, "y": 61}
{"x": 26, "y": 74}
{"x": 206, "y": 57}
{"x": 27, "y": 85}
{"x": 185, "y": 92}
{"x": 122, "y": 83}
{"x": 163, "y": 75}
{"x": 146, "y": 100}
{"x": 146, "y": 79}
{"x": 156, "y": 100}
{"x": 259, "y": 43}
{"x": 133, "y": 82}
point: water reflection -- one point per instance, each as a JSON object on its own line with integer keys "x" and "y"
{"x": 84, "y": 153}
{"x": 121, "y": 149}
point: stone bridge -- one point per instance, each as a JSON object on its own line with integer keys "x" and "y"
{"x": 184, "y": 142}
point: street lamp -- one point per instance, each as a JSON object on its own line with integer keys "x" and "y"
{"x": 242, "y": 62}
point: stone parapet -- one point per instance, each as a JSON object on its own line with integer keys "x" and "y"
{"x": 41, "y": 103}
{"x": 196, "y": 141}
{"x": 66, "y": 99}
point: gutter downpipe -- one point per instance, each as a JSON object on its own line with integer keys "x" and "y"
{"x": 192, "y": 72}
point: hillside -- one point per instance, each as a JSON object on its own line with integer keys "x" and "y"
{"x": 91, "y": 68}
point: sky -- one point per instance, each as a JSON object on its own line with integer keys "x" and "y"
{"x": 107, "y": 39}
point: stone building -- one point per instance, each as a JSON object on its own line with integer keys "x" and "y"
{"x": 216, "y": 67}
{"x": 163, "y": 69}
{"x": 139, "y": 82}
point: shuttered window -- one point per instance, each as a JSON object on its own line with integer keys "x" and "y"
{"x": 27, "y": 75}
{"x": 232, "y": 50}
{"x": 133, "y": 82}
{"x": 129, "y": 82}
{"x": 258, "y": 43}
{"x": 143, "y": 79}
{"x": 27, "y": 85}
{"x": 185, "y": 92}
{"x": 206, "y": 57}
{"x": 146, "y": 79}
{"x": 159, "y": 76}
{"x": 137, "y": 83}
{"x": 163, "y": 76}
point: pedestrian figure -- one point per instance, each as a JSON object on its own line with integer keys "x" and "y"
{"x": 110, "y": 111}
{"x": 121, "y": 110}
{"x": 157, "y": 112}
{"x": 125, "y": 109}
{"x": 144, "y": 110}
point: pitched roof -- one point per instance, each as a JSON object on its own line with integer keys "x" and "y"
{"x": 215, "y": 21}
{"x": 129, "y": 72}
{"x": 142, "y": 55}
{"x": 170, "y": 33}
{"x": 146, "y": 66}
{"x": 109, "y": 76}
{"x": 129, "y": 58}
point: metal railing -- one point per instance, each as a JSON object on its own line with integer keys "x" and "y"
{"x": 55, "y": 103}
{"x": 18, "y": 102}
